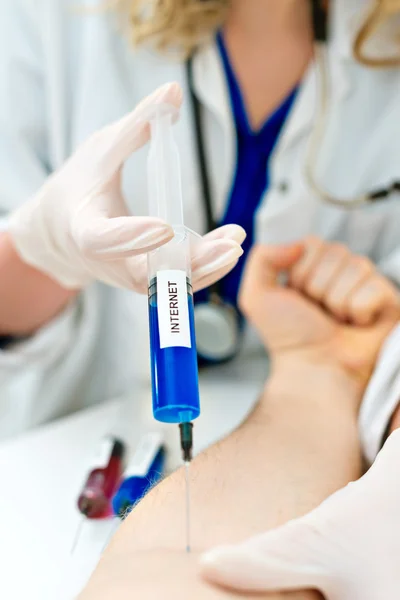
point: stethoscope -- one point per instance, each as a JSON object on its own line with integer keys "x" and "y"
{"x": 320, "y": 24}
{"x": 218, "y": 324}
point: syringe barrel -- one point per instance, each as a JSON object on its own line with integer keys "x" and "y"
{"x": 165, "y": 192}
{"x": 163, "y": 168}
{"x": 172, "y": 337}
{"x": 173, "y": 353}
{"x": 174, "y": 370}
{"x": 174, "y": 255}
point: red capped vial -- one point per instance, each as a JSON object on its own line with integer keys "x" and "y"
{"x": 103, "y": 480}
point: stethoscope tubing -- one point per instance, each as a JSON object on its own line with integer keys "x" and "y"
{"x": 317, "y": 139}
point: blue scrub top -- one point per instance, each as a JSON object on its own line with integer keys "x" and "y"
{"x": 251, "y": 179}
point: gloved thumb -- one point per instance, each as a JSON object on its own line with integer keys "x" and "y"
{"x": 287, "y": 558}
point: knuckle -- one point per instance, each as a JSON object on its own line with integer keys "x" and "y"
{"x": 390, "y": 291}
{"x": 339, "y": 248}
{"x": 334, "y": 303}
{"x": 361, "y": 311}
{"x": 297, "y": 276}
{"x": 371, "y": 291}
{"x": 362, "y": 264}
{"x": 366, "y": 301}
{"x": 356, "y": 302}
{"x": 315, "y": 290}
{"x": 313, "y": 241}
{"x": 394, "y": 297}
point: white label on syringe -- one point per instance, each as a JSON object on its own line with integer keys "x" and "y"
{"x": 102, "y": 456}
{"x": 172, "y": 309}
{"x": 140, "y": 463}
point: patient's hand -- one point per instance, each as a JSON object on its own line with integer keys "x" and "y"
{"x": 336, "y": 305}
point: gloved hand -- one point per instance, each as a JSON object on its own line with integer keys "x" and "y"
{"x": 348, "y": 548}
{"x": 77, "y": 228}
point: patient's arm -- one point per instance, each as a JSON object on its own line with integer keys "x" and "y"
{"x": 298, "y": 446}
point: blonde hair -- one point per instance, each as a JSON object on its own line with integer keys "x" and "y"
{"x": 380, "y": 14}
{"x": 184, "y": 24}
{"x": 180, "y": 25}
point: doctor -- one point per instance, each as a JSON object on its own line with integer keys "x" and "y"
{"x": 246, "y": 134}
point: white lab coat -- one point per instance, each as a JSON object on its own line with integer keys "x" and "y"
{"x": 65, "y": 73}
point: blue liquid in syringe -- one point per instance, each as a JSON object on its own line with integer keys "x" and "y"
{"x": 174, "y": 371}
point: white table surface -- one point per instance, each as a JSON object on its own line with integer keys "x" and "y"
{"x": 42, "y": 472}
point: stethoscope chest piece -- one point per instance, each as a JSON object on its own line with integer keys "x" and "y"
{"x": 217, "y": 330}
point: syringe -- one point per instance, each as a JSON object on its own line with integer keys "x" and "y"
{"x": 145, "y": 469}
{"x": 174, "y": 368}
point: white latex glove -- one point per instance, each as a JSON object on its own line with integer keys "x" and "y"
{"x": 348, "y": 548}
{"x": 78, "y": 228}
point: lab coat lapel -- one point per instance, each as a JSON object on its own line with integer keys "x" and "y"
{"x": 301, "y": 118}
{"x": 338, "y": 56}
{"x": 212, "y": 90}
{"x": 210, "y": 84}
{"x": 297, "y": 213}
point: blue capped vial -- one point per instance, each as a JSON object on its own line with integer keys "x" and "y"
{"x": 145, "y": 469}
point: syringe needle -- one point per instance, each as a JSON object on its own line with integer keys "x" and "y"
{"x": 77, "y": 534}
{"x": 187, "y": 506}
{"x": 186, "y": 431}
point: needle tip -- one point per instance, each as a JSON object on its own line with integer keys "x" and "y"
{"x": 77, "y": 536}
{"x": 187, "y": 507}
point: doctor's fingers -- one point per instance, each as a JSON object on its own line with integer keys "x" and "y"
{"x": 125, "y": 273}
{"x": 214, "y": 262}
{"x": 292, "y": 557}
{"x": 231, "y": 232}
{"x": 207, "y": 280}
{"x": 113, "y": 144}
{"x": 211, "y": 259}
{"x": 103, "y": 238}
